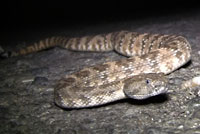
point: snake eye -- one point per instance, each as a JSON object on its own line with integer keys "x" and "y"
{"x": 147, "y": 81}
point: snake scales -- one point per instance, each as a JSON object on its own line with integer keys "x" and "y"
{"x": 141, "y": 75}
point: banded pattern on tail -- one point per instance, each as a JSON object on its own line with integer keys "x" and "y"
{"x": 124, "y": 42}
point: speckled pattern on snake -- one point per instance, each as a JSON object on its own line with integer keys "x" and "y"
{"x": 141, "y": 75}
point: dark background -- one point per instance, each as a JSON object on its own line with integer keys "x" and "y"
{"x": 36, "y": 14}
{"x": 22, "y": 17}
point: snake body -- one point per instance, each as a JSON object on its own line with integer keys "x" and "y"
{"x": 142, "y": 74}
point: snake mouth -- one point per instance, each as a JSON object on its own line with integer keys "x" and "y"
{"x": 161, "y": 90}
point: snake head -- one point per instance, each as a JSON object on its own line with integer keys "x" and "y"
{"x": 145, "y": 85}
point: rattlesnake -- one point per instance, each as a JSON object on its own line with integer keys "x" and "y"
{"x": 141, "y": 75}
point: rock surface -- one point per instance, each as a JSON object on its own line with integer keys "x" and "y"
{"x": 26, "y": 87}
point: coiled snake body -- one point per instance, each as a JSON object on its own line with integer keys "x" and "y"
{"x": 141, "y": 75}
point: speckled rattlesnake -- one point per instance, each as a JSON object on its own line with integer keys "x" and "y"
{"x": 151, "y": 56}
